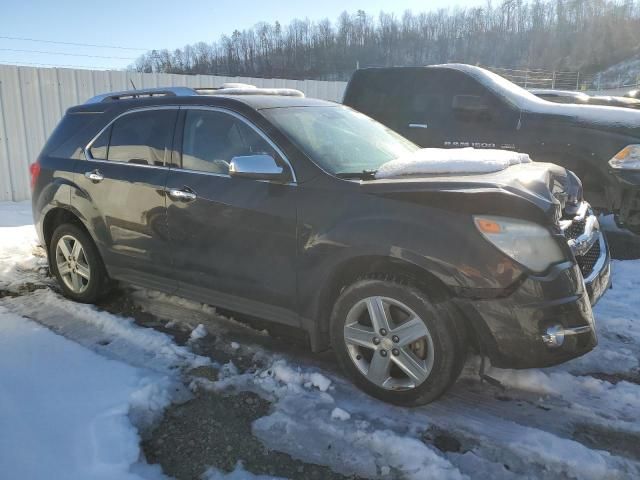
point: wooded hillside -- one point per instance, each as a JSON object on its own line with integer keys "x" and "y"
{"x": 586, "y": 35}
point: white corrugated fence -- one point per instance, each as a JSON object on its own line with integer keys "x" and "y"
{"x": 32, "y": 101}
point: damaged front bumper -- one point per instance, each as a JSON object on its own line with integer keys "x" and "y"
{"x": 547, "y": 319}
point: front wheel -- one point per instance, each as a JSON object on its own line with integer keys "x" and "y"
{"x": 395, "y": 343}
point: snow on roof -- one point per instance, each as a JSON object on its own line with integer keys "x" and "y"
{"x": 559, "y": 93}
{"x": 434, "y": 161}
{"x": 246, "y": 89}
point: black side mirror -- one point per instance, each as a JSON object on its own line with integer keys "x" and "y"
{"x": 470, "y": 106}
{"x": 259, "y": 167}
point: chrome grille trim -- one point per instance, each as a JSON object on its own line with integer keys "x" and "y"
{"x": 585, "y": 240}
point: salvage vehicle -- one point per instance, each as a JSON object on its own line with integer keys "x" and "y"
{"x": 457, "y": 105}
{"x": 568, "y": 96}
{"x": 317, "y": 218}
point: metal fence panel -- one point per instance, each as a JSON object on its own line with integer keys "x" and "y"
{"x": 32, "y": 101}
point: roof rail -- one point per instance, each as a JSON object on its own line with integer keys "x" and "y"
{"x": 145, "y": 92}
{"x": 225, "y": 89}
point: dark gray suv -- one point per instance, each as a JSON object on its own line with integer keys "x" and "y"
{"x": 269, "y": 204}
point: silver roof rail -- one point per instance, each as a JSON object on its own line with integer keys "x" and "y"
{"x": 144, "y": 92}
{"x": 225, "y": 89}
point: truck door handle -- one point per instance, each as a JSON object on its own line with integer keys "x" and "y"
{"x": 95, "y": 176}
{"x": 418, "y": 125}
{"x": 184, "y": 194}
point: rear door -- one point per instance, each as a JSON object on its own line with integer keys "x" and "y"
{"x": 233, "y": 239}
{"x": 123, "y": 181}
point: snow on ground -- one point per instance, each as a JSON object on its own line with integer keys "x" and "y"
{"x": 576, "y": 420}
{"x": 68, "y": 411}
{"x": 65, "y": 410}
{"x": 18, "y": 244}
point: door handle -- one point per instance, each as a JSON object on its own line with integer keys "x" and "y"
{"x": 95, "y": 176}
{"x": 418, "y": 125}
{"x": 184, "y": 195}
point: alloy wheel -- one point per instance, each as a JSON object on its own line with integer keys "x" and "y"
{"x": 72, "y": 264}
{"x": 389, "y": 343}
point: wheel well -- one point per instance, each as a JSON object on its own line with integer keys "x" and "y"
{"x": 58, "y": 216}
{"x": 377, "y": 267}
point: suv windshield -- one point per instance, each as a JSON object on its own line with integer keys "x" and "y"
{"x": 340, "y": 140}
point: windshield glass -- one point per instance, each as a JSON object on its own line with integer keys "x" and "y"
{"x": 340, "y": 140}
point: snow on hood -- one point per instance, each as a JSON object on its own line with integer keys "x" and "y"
{"x": 433, "y": 161}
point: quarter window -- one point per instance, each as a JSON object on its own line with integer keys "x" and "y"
{"x": 211, "y": 139}
{"x": 100, "y": 145}
{"x": 142, "y": 138}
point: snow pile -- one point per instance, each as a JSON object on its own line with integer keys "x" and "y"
{"x": 340, "y": 414}
{"x": 625, "y": 72}
{"x": 17, "y": 245}
{"x": 66, "y": 410}
{"x": 112, "y": 335}
{"x": 434, "y": 161}
{"x": 197, "y": 333}
{"x": 239, "y": 473}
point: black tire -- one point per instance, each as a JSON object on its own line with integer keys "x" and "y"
{"x": 98, "y": 283}
{"x": 445, "y": 329}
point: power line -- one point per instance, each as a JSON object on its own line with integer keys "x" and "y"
{"x": 95, "y": 45}
{"x": 65, "y": 54}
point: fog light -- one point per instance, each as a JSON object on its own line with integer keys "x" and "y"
{"x": 554, "y": 336}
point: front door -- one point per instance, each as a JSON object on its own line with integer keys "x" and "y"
{"x": 124, "y": 180}
{"x": 233, "y": 239}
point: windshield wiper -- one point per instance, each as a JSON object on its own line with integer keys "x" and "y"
{"x": 363, "y": 175}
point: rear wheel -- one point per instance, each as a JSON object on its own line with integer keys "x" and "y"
{"x": 395, "y": 343}
{"x": 76, "y": 263}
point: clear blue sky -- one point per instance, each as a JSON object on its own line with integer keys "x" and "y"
{"x": 157, "y": 24}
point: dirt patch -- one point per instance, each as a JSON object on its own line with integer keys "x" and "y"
{"x": 215, "y": 430}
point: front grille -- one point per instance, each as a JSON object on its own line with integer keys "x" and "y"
{"x": 587, "y": 261}
{"x": 575, "y": 230}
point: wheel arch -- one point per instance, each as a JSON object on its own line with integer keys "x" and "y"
{"x": 369, "y": 266}
{"x": 60, "y": 215}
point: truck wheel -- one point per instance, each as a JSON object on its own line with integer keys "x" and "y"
{"x": 76, "y": 264}
{"x": 395, "y": 343}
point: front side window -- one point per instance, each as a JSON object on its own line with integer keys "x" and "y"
{"x": 142, "y": 138}
{"x": 211, "y": 139}
{"x": 340, "y": 140}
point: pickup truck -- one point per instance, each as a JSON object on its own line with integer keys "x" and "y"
{"x": 457, "y": 105}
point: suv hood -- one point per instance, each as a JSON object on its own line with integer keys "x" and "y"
{"x": 538, "y": 191}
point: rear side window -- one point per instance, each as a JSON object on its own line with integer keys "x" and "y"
{"x": 211, "y": 139}
{"x": 143, "y": 138}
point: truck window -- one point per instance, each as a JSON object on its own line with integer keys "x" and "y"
{"x": 446, "y": 96}
{"x": 382, "y": 95}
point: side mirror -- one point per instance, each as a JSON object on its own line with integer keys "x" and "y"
{"x": 260, "y": 166}
{"x": 470, "y": 105}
